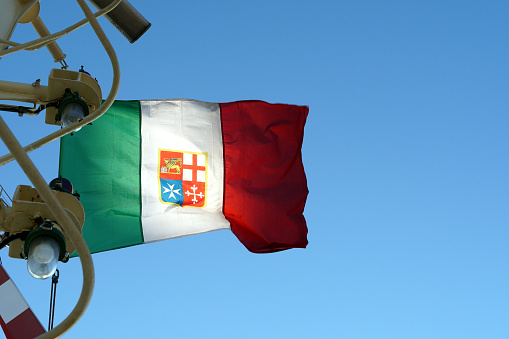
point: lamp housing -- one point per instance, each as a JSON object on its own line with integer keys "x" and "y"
{"x": 42, "y": 258}
{"x": 59, "y": 81}
{"x": 29, "y": 212}
{"x": 43, "y": 248}
{"x": 71, "y": 109}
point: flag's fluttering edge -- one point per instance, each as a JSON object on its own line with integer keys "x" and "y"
{"x": 16, "y": 317}
{"x": 161, "y": 169}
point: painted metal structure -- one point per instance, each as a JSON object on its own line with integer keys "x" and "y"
{"x": 11, "y": 11}
{"x": 41, "y": 201}
{"x": 28, "y": 207}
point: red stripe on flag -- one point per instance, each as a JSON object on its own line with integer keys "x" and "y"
{"x": 3, "y": 275}
{"x": 265, "y": 184}
{"x": 25, "y": 326}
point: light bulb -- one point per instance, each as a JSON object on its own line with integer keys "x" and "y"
{"x": 71, "y": 113}
{"x": 43, "y": 257}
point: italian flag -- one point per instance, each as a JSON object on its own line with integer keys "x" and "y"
{"x": 160, "y": 169}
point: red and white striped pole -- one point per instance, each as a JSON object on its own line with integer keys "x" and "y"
{"x": 17, "y": 319}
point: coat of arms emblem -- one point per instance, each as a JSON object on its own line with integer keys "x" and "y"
{"x": 183, "y": 178}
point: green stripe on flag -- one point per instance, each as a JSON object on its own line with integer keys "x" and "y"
{"x": 107, "y": 176}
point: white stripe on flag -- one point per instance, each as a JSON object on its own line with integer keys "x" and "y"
{"x": 12, "y": 302}
{"x": 185, "y": 126}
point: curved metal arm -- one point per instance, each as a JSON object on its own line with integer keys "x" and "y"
{"x": 67, "y": 224}
{"x": 106, "y": 104}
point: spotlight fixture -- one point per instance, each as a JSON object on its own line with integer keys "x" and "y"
{"x": 71, "y": 109}
{"x": 43, "y": 248}
{"x": 32, "y": 232}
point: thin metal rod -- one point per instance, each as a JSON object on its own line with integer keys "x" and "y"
{"x": 43, "y": 31}
{"x": 19, "y": 91}
{"x": 9, "y": 42}
{"x": 53, "y": 299}
{"x": 13, "y": 44}
{"x": 98, "y": 112}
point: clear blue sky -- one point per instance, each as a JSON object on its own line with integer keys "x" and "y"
{"x": 405, "y": 150}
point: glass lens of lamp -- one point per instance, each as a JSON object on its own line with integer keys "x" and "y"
{"x": 71, "y": 113}
{"x": 43, "y": 257}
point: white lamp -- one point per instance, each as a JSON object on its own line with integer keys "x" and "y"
{"x": 43, "y": 248}
{"x": 43, "y": 257}
{"x": 71, "y": 109}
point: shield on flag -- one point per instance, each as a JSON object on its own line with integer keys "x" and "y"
{"x": 183, "y": 178}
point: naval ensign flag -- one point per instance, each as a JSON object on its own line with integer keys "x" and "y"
{"x": 160, "y": 169}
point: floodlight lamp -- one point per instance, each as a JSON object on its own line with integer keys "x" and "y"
{"x": 44, "y": 247}
{"x": 71, "y": 109}
{"x": 43, "y": 257}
